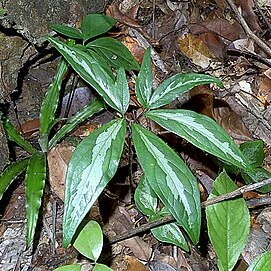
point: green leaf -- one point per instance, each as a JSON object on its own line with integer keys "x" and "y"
{"x": 50, "y": 103}
{"x": 228, "y": 224}
{"x": 3, "y": 11}
{"x": 70, "y": 32}
{"x": 15, "y": 136}
{"x": 170, "y": 178}
{"x": 114, "y": 52}
{"x": 144, "y": 80}
{"x": 70, "y": 267}
{"x": 253, "y": 151}
{"x": 90, "y": 70}
{"x": 261, "y": 263}
{"x": 92, "y": 166}
{"x": 101, "y": 267}
{"x": 90, "y": 241}
{"x": 86, "y": 112}
{"x": 96, "y": 24}
{"x": 145, "y": 197}
{"x": 10, "y": 174}
{"x": 201, "y": 131}
{"x": 34, "y": 185}
{"x": 122, "y": 90}
{"x": 178, "y": 84}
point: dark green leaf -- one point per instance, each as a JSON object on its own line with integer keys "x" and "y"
{"x": 201, "y": 131}
{"x": 10, "y": 174}
{"x": 96, "y": 24}
{"x": 144, "y": 80}
{"x": 228, "y": 224}
{"x": 101, "y": 267}
{"x": 90, "y": 70}
{"x": 15, "y": 136}
{"x": 92, "y": 166}
{"x": 67, "y": 31}
{"x": 253, "y": 151}
{"x": 178, "y": 84}
{"x": 114, "y": 52}
{"x": 90, "y": 241}
{"x": 170, "y": 178}
{"x": 86, "y": 112}
{"x": 34, "y": 184}
{"x": 261, "y": 263}
{"x": 70, "y": 267}
{"x": 50, "y": 103}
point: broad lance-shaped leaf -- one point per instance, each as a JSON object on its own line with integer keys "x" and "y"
{"x": 86, "y": 112}
{"x": 101, "y": 267}
{"x": 68, "y": 31}
{"x": 70, "y": 267}
{"x": 34, "y": 185}
{"x": 261, "y": 263}
{"x": 201, "y": 131}
{"x": 228, "y": 224}
{"x": 170, "y": 178}
{"x": 92, "y": 166}
{"x": 10, "y": 173}
{"x": 15, "y": 136}
{"x": 144, "y": 80}
{"x": 90, "y": 70}
{"x": 172, "y": 87}
{"x": 50, "y": 103}
{"x": 114, "y": 52}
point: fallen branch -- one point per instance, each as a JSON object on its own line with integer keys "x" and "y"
{"x": 168, "y": 219}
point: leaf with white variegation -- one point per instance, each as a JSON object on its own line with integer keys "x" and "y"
{"x": 178, "y": 84}
{"x": 92, "y": 166}
{"x": 170, "y": 178}
{"x": 261, "y": 263}
{"x": 90, "y": 70}
{"x": 144, "y": 80}
{"x": 34, "y": 185}
{"x": 201, "y": 131}
{"x": 228, "y": 223}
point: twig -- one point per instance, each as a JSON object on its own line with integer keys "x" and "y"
{"x": 168, "y": 219}
{"x": 248, "y": 31}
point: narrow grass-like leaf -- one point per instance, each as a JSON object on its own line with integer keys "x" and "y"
{"x": 228, "y": 224}
{"x": 144, "y": 80}
{"x": 170, "y": 178}
{"x": 10, "y": 173}
{"x": 145, "y": 197}
{"x": 15, "y": 136}
{"x": 50, "y": 103}
{"x": 253, "y": 151}
{"x": 70, "y": 267}
{"x": 90, "y": 70}
{"x": 34, "y": 185}
{"x": 92, "y": 166}
{"x": 201, "y": 131}
{"x": 67, "y": 31}
{"x": 114, "y": 52}
{"x": 261, "y": 263}
{"x": 96, "y": 24}
{"x": 86, "y": 112}
{"x": 172, "y": 87}
{"x": 90, "y": 241}
{"x": 101, "y": 267}
{"x": 122, "y": 90}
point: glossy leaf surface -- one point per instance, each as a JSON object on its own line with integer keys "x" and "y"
{"x": 67, "y": 31}
{"x": 228, "y": 224}
{"x": 90, "y": 70}
{"x": 34, "y": 184}
{"x": 170, "y": 178}
{"x": 92, "y": 166}
{"x": 178, "y": 84}
{"x": 101, "y": 267}
{"x": 10, "y": 173}
{"x": 96, "y": 24}
{"x": 15, "y": 136}
{"x": 70, "y": 267}
{"x": 114, "y": 52}
{"x": 86, "y": 112}
{"x": 261, "y": 263}
{"x": 253, "y": 151}
{"x": 201, "y": 131}
{"x": 90, "y": 241}
{"x": 144, "y": 80}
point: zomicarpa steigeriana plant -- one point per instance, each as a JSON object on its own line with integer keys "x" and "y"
{"x": 166, "y": 178}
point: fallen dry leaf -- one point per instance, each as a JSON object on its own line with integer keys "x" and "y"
{"x": 134, "y": 265}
